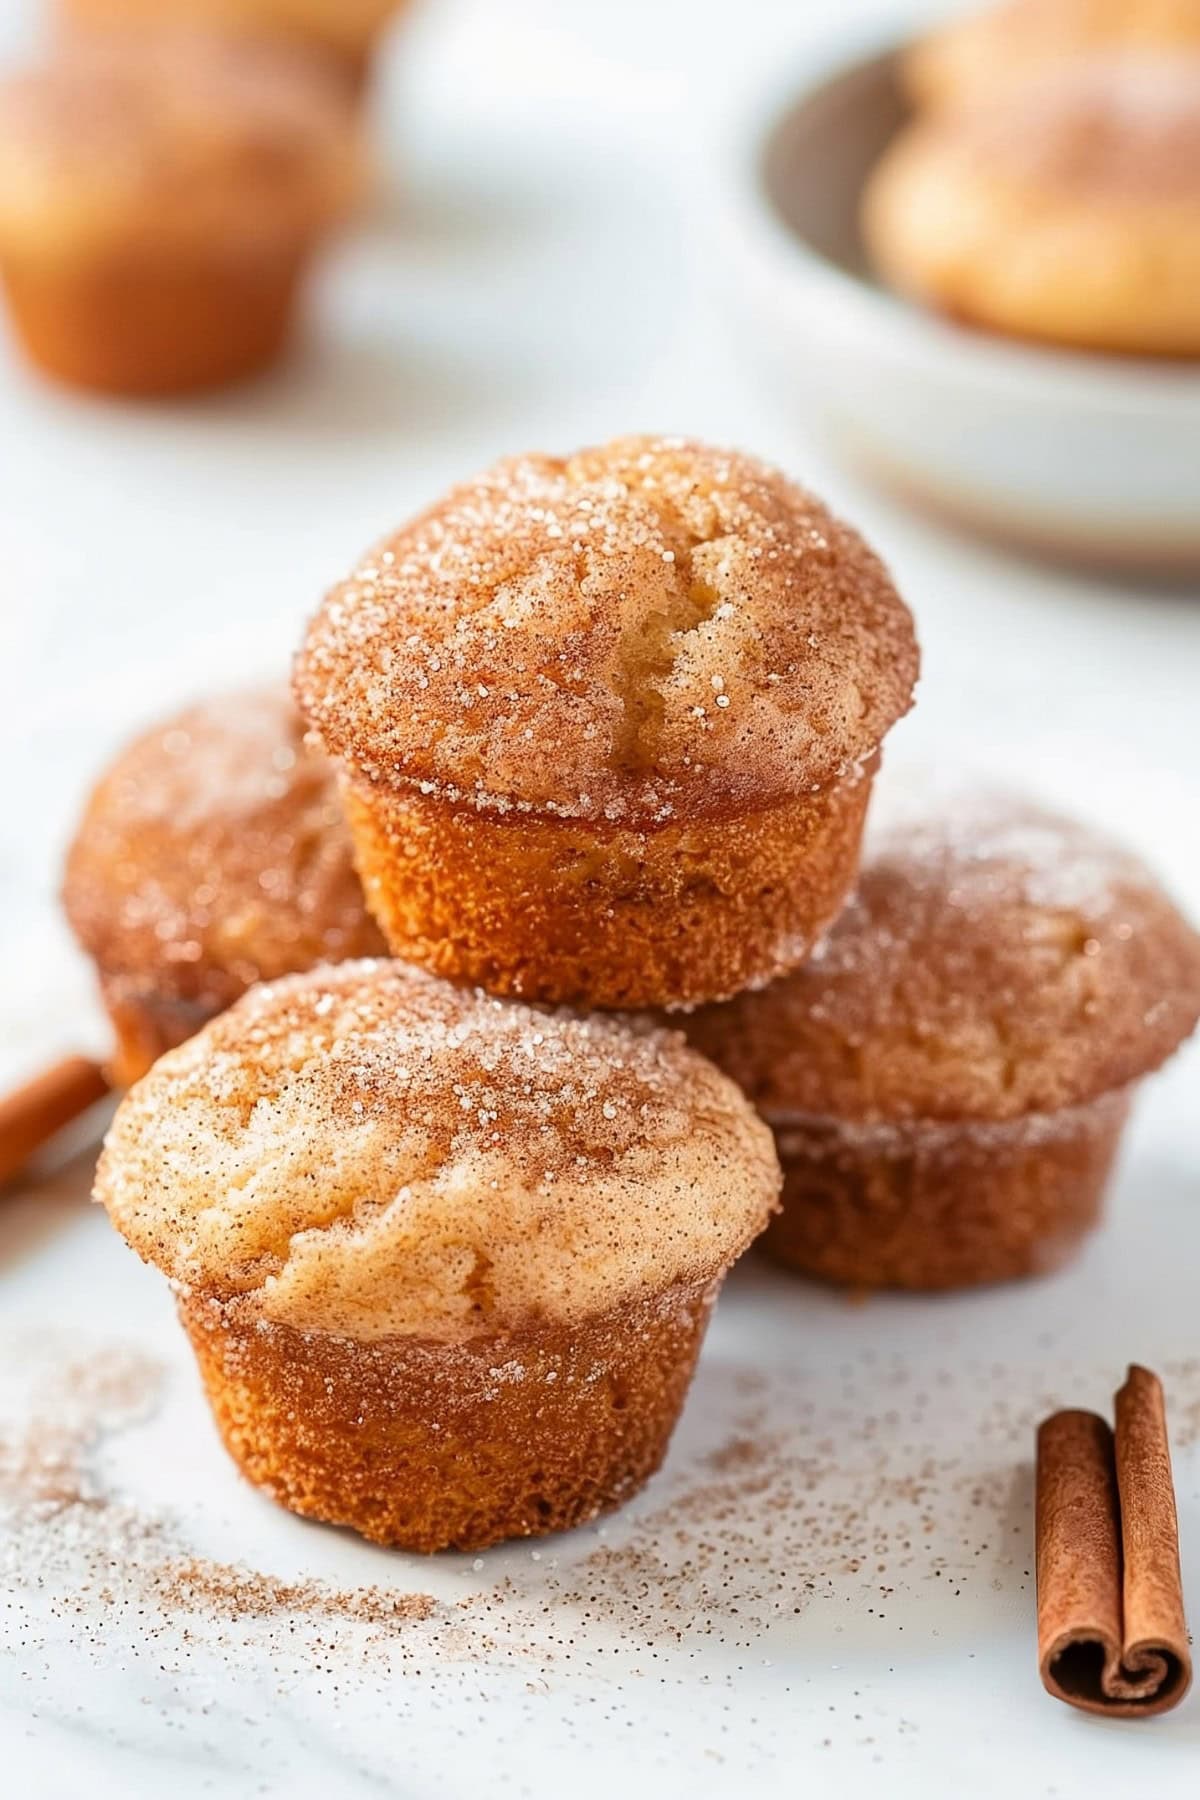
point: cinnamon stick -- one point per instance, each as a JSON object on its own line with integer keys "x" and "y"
{"x": 1111, "y": 1631}
{"x": 30, "y": 1115}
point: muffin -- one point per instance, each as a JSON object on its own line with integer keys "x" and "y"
{"x": 948, "y": 1077}
{"x": 343, "y": 33}
{"x": 212, "y": 854}
{"x": 446, "y": 1261}
{"x": 972, "y": 56}
{"x": 608, "y": 723}
{"x": 161, "y": 197}
{"x": 1067, "y": 211}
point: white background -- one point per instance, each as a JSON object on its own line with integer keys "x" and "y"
{"x": 537, "y": 272}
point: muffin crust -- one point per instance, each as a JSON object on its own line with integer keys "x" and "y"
{"x": 997, "y": 960}
{"x": 171, "y": 140}
{"x": 366, "y": 1150}
{"x": 212, "y": 854}
{"x": 648, "y": 631}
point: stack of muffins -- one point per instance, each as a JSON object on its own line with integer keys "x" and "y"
{"x": 168, "y": 175}
{"x": 445, "y": 1231}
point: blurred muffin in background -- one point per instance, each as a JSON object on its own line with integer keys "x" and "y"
{"x": 212, "y": 854}
{"x": 1067, "y": 211}
{"x": 343, "y": 32}
{"x": 161, "y": 196}
{"x": 948, "y": 1077}
{"x": 982, "y": 51}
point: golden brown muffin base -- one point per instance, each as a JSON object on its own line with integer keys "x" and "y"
{"x": 145, "y": 323}
{"x": 432, "y": 1446}
{"x": 145, "y": 1025}
{"x": 931, "y": 1205}
{"x": 562, "y": 911}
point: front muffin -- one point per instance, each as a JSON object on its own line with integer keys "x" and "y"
{"x": 948, "y": 1077}
{"x": 446, "y": 1261}
{"x": 608, "y": 723}
{"x": 161, "y": 196}
{"x": 1064, "y": 211}
{"x": 1007, "y": 45}
{"x": 212, "y": 854}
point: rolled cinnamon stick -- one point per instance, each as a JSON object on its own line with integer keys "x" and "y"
{"x": 30, "y": 1115}
{"x": 1111, "y": 1631}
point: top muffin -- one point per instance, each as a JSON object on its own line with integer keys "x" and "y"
{"x": 174, "y": 137}
{"x": 1008, "y": 43}
{"x": 996, "y": 960}
{"x": 648, "y": 630}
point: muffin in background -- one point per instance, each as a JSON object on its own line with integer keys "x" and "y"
{"x": 948, "y": 1077}
{"x": 161, "y": 198}
{"x": 446, "y": 1261}
{"x": 608, "y": 722}
{"x": 971, "y": 56}
{"x": 343, "y": 33}
{"x": 1066, "y": 211}
{"x": 212, "y": 854}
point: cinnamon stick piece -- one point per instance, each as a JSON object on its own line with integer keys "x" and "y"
{"x": 1111, "y": 1631}
{"x": 30, "y": 1115}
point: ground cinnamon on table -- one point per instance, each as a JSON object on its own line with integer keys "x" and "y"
{"x": 1111, "y": 1631}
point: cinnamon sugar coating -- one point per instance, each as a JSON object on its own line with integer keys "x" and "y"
{"x": 166, "y": 139}
{"x": 1063, "y": 210}
{"x": 647, "y": 630}
{"x": 997, "y": 961}
{"x": 213, "y": 854}
{"x": 367, "y": 1150}
{"x": 999, "y": 45}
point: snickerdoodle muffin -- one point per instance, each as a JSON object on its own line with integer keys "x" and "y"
{"x": 1065, "y": 211}
{"x": 948, "y": 1077}
{"x": 975, "y": 54}
{"x": 161, "y": 197}
{"x": 446, "y": 1261}
{"x": 608, "y": 723}
{"x": 212, "y": 854}
{"x": 344, "y": 33}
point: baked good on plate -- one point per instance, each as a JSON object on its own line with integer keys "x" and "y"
{"x": 1066, "y": 211}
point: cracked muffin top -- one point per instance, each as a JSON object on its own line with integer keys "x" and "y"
{"x": 371, "y": 1151}
{"x": 213, "y": 853}
{"x": 997, "y": 960}
{"x": 173, "y": 136}
{"x": 1022, "y": 38}
{"x": 648, "y": 630}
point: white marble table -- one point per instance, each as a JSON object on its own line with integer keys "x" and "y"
{"x": 829, "y": 1583}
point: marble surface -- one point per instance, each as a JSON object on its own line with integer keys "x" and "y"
{"x": 830, "y": 1581}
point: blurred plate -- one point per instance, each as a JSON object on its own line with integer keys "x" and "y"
{"x": 1077, "y": 454}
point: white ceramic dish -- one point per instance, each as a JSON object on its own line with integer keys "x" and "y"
{"x": 1079, "y": 454}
